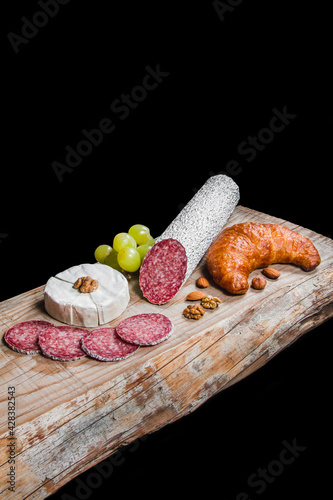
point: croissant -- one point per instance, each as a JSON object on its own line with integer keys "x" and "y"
{"x": 240, "y": 249}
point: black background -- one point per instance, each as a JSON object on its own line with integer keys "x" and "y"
{"x": 225, "y": 77}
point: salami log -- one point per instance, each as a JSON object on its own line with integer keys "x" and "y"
{"x": 106, "y": 345}
{"x": 179, "y": 249}
{"x": 62, "y": 343}
{"x": 23, "y": 337}
{"x": 145, "y": 329}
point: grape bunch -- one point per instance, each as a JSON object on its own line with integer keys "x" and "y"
{"x": 128, "y": 249}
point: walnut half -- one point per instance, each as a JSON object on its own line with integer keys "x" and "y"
{"x": 193, "y": 311}
{"x": 86, "y": 284}
{"x": 209, "y": 302}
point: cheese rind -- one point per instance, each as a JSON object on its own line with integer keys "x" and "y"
{"x": 68, "y": 305}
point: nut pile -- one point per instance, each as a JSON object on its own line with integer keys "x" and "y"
{"x": 195, "y": 311}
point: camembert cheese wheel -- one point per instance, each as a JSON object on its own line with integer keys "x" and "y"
{"x": 67, "y": 304}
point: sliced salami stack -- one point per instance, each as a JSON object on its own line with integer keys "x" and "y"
{"x": 69, "y": 343}
{"x": 179, "y": 249}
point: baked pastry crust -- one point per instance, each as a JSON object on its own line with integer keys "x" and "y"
{"x": 240, "y": 249}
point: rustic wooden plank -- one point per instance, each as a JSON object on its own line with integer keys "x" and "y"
{"x": 72, "y": 415}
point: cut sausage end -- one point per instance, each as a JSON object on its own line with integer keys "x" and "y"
{"x": 163, "y": 271}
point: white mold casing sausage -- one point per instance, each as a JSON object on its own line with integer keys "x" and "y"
{"x": 162, "y": 274}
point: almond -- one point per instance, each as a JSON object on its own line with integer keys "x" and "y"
{"x": 271, "y": 273}
{"x": 202, "y": 282}
{"x": 258, "y": 283}
{"x": 196, "y": 295}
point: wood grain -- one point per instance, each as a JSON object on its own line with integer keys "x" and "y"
{"x": 69, "y": 416}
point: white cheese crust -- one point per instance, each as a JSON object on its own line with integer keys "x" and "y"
{"x": 70, "y": 306}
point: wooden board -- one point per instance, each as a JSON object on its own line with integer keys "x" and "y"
{"x": 69, "y": 416}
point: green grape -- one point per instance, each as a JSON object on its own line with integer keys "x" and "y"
{"x": 143, "y": 249}
{"x": 102, "y": 252}
{"x": 140, "y": 233}
{"x": 151, "y": 241}
{"x": 129, "y": 259}
{"x": 112, "y": 261}
{"x": 122, "y": 240}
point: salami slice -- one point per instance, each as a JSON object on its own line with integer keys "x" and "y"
{"x": 194, "y": 229}
{"x": 163, "y": 271}
{"x": 23, "y": 337}
{"x": 106, "y": 345}
{"x": 62, "y": 343}
{"x": 145, "y": 329}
